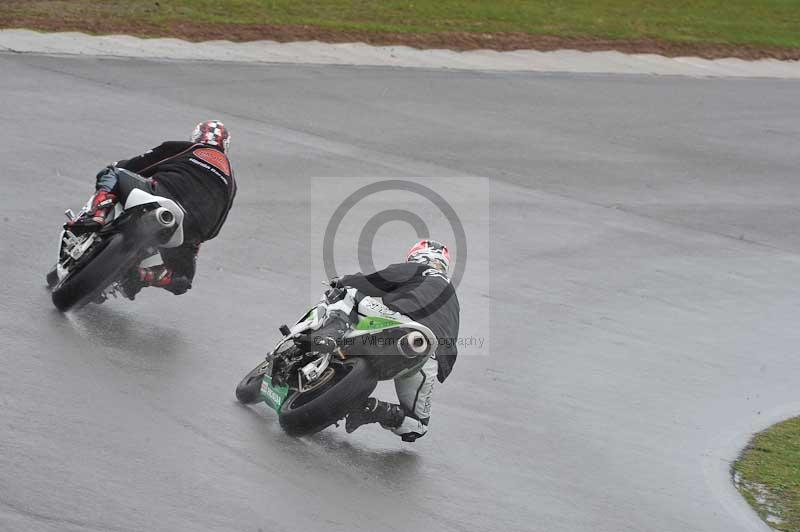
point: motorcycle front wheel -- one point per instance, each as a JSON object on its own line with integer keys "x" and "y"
{"x": 95, "y": 273}
{"x": 248, "y": 391}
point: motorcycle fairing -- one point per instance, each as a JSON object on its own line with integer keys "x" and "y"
{"x": 368, "y": 323}
{"x": 273, "y": 395}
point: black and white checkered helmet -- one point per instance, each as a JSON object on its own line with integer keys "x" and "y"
{"x": 213, "y": 133}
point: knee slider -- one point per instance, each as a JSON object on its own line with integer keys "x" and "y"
{"x": 414, "y": 436}
{"x": 411, "y": 436}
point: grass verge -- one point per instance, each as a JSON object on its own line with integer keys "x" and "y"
{"x": 768, "y": 475}
{"x": 742, "y": 28}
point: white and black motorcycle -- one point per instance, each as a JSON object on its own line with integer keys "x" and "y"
{"x": 91, "y": 267}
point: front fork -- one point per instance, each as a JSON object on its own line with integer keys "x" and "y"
{"x": 70, "y": 249}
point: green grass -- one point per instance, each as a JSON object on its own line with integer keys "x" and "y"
{"x": 739, "y": 22}
{"x": 769, "y": 474}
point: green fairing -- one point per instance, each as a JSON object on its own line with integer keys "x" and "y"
{"x": 273, "y": 395}
{"x": 371, "y": 322}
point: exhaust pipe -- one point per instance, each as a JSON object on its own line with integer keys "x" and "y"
{"x": 413, "y": 344}
{"x": 165, "y": 217}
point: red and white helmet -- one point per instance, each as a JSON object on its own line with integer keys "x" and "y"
{"x": 430, "y": 252}
{"x": 213, "y": 133}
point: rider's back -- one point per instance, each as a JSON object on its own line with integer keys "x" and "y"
{"x": 421, "y": 293}
{"x": 198, "y": 176}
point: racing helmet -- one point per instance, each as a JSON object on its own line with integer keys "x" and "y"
{"x": 213, "y": 133}
{"x": 430, "y": 252}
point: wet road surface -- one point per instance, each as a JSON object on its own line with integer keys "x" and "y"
{"x": 637, "y": 286}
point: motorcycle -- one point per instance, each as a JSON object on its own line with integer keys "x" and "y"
{"x": 91, "y": 267}
{"x": 314, "y": 386}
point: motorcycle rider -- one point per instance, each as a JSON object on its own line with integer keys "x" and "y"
{"x": 196, "y": 174}
{"x": 416, "y": 290}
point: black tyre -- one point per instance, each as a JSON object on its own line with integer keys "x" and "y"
{"x": 51, "y": 278}
{"x": 102, "y": 268}
{"x": 313, "y": 410}
{"x": 248, "y": 391}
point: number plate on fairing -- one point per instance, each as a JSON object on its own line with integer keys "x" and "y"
{"x": 273, "y": 395}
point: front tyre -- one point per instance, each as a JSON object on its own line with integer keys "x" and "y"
{"x": 52, "y": 278}
{"x": 248, "y": 391}
{"x": 311, "y": 411}
{"x": 87, "y": 281}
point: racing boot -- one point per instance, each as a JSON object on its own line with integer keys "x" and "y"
{"x": 373, "y": 411}
{"x": 325, "y": 338}
{"x": 95, "y": 218}
{"x": 159, "y": 276}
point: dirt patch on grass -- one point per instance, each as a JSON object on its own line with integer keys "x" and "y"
{"x": 197, "y": 31}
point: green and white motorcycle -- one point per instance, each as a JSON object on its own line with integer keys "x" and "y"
{"x": 311, "y": 387}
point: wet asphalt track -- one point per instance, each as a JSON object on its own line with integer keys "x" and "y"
{"x": 644, "y": 301}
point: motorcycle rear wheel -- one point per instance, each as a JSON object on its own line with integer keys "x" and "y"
{"x": 304, "y": 413}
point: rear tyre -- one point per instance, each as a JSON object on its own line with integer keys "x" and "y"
{"x": 248, "y": 391}
{"x": 309, "y": 412}
{"x": 86, "y": 282}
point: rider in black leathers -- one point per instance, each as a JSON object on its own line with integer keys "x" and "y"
{"x": 418, "y": 289}
{"x": 195, "y": 174}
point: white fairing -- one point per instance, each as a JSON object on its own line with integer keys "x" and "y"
{"x": 311, "y": 323}
{"x": 140, "y": 197}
